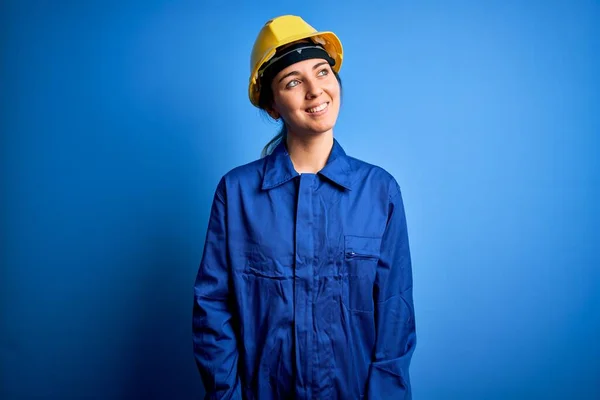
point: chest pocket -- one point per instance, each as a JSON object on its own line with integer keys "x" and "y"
{"x": 361, "y": 255}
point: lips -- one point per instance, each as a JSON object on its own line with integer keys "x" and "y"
{"x": 317, "y": 109}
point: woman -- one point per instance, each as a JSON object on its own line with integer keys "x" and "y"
{"x": 304, "y": 289}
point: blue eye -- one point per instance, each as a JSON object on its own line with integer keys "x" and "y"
{"x": 323, "y": 70}
{"x": 292, "y": 83}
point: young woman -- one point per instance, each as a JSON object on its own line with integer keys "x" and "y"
{"x": 304, "y": 290}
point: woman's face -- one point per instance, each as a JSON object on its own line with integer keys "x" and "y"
{"x": 306, "y": 95}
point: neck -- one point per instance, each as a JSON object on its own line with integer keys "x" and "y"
{"x": 309, "y": 153}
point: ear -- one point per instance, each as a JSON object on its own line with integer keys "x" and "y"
{"x": 273, "y": 113}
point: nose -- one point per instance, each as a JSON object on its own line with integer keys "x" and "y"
{"x": 313, "y": 89}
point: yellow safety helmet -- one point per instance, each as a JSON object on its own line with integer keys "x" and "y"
{"x": 281, "y": 31}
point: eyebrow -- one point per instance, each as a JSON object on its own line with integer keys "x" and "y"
{"x": 317, "y": 65}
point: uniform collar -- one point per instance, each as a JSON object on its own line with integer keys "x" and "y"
{"x": 280, "y": 169}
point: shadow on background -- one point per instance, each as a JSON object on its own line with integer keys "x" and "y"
{"x": 111, "y": 161}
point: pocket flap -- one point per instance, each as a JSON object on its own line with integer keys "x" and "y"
{"x": 362, "y": 246}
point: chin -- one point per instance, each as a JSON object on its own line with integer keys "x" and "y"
{"x": 314, "y": 127}
{"x": 315, "y": 131}
{"x": 324, "y": 128}
{"x": 321, "y": 126}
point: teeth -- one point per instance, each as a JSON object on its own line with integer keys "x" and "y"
{"x": 317, "y": 109}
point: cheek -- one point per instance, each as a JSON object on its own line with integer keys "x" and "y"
{"x": 289, "y": 103}
{"x": 334, "y": 90}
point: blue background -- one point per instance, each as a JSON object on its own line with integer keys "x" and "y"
{"x": 118, "y": 119}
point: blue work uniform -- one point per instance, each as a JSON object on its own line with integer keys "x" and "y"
{"x": 304, "y": 289}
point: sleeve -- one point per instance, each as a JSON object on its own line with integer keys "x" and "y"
{"x": 215, "y": 346}
{"x": 394, "y": 310}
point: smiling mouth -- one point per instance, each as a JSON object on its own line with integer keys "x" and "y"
{"x": 318, "y": 109}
